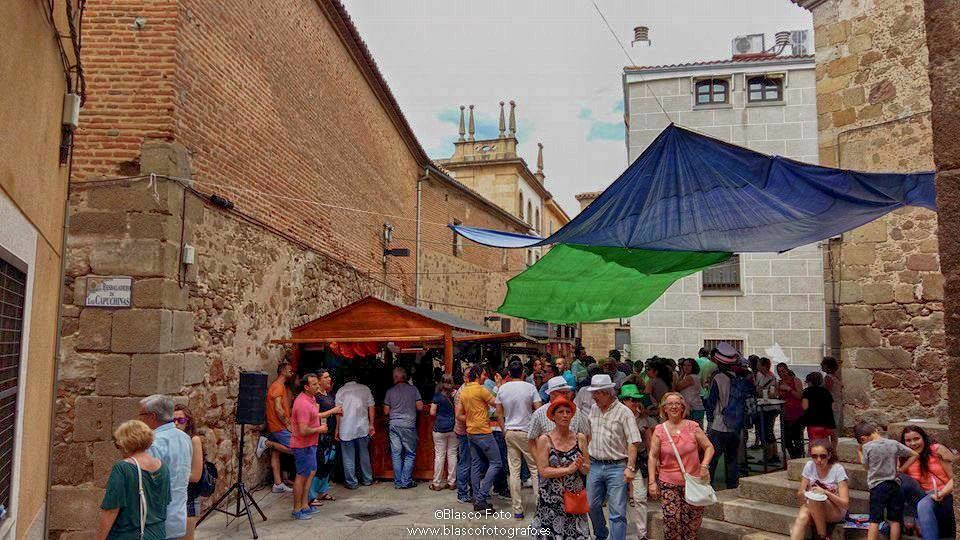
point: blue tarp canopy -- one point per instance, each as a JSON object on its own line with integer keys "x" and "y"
{"x": 690, "y": 192}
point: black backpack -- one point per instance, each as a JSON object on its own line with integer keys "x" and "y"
{"x": 208, "y": 479}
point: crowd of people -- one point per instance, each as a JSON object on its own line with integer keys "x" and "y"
{"x": 594, "y": 442}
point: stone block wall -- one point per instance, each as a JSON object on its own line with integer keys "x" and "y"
{"x": 873, "y": 99}
{"x": 277, "y": 107}
{"x": 599, "y": 338}
{"x": 778, "y": 310}
{"x": 189, "y": 332}
{"x": 788, "y": 130}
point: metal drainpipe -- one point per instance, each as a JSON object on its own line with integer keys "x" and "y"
{"x": 426, "y": 174}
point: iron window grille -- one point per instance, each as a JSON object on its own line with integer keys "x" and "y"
{"x": 764, "y": 89}
{"x": 13, "y": 286}
{"x": 711, "y": 344}
{"x": 724, "y": 276}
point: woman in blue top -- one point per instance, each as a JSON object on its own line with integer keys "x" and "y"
{"x": 444, "y": 439}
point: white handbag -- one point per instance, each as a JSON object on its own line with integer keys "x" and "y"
{"x": 143, "y": 498}
{"x": 695, "y": 491}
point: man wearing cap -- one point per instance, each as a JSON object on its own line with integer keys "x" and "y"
{"x": 722, "y": 433}
{"x": 634, "y": 400}
{"x": 613, "y": 459}
{"x": 539, "y": 424}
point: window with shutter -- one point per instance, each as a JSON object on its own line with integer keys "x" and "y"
{"x": 711, "y": 344}
{"x": 724, "y": 276}
{"x": 13, "y": 286}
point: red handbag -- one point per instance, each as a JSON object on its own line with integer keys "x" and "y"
{"x": 575, "y": 502}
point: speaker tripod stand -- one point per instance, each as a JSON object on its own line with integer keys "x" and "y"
{"x": 242, "y": 495}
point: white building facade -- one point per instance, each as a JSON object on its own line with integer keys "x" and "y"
{"x": 766, "y": 304}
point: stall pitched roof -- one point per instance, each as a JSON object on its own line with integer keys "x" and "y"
{"x": 447, "y": 319}
{"x": 372, "y": 317}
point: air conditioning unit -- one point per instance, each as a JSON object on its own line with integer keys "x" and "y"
{"x": 800, "y": 42}
{"x": 749, "y": 44}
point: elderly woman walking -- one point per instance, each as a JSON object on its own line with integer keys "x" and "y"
{"x": 681, "y": 520}
{"x": 138, "y": 490}
{"x": 563, "y": 463}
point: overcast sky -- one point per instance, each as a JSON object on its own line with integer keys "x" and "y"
{"x": 555, "y": 58}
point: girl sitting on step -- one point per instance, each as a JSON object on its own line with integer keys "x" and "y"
{"x": 824, "y": 493}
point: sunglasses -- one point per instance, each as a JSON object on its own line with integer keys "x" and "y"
{"x": 181, "y": 420}
{"x": 820, "y": 456}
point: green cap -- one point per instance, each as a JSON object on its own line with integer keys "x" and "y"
{"x": 631, "y": 391}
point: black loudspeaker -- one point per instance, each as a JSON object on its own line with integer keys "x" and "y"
{"x": 252, "y": 398}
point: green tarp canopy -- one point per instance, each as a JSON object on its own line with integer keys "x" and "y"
{"x": 576, "y": 283}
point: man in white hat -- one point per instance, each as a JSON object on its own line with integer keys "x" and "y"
{"x": 726, "y": 411}
{"x": 613, "y": 458}
{"x": 557, "y": 388}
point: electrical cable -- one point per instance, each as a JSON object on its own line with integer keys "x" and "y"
{"x": 629, "y": 58}
{"x": 368, "y": 273}
{"x": 124, "y": 179}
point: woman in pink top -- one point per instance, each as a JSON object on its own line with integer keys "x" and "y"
{"x": 928, "y": 484}
{"x": 681, "y": 520}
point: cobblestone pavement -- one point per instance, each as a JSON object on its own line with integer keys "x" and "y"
{"x": 417, "y": 507}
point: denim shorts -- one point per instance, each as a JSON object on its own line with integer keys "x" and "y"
{"x": 305, "y": 460}
{"x": 886, "y": 498}
{"x": 280, "y": 437}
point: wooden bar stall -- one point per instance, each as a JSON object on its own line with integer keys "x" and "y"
{"x": 372, "y": 336}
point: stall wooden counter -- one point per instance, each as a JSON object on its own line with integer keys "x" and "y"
{"x": 371, "y": 320}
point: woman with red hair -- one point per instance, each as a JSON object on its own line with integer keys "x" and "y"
{"x": 563, "y": 463}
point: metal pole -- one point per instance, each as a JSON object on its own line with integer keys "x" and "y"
{"x": 426, "y": 174}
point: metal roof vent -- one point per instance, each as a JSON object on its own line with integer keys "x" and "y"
{"x": 641, "y": 34}
{"x": 781, "y": 40}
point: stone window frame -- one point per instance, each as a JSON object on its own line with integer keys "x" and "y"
{"x": 727, "y": 81}
{"x": 457, "y": 240}
{"x": 18, "y": 241}
{"x": 710, "y": 340}
{"x": 784, "y": 80}
{"x": 13, "y": 318}
{"x": 721, "y": 286}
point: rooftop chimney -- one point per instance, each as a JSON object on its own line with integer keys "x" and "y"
{"x": 641, "y": 34}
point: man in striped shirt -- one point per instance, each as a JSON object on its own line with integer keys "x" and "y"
{"x": 613, "y": 459}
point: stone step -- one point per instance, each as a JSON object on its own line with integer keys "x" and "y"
{"x": 712, "y": 529}
{"x": 775, "y": 518}
{"x": 847, "y": 450}
{"x": 856, "y": 472}
{"x": 777, "y": 488}
{"x": 715, "y": 511}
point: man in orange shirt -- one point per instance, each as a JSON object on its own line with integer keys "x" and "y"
{"x": 278, "y": 424}
{"x": 474, "y": 409}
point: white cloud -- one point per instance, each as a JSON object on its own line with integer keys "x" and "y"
{"x": 555, "y": 58}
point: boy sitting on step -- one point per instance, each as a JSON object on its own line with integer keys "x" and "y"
{"x": 880, "y": 456}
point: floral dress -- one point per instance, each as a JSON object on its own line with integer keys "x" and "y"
{"x": 550, "y": 515}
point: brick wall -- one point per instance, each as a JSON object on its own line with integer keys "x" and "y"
{"x": 873, "y": 101}
{"x": 130, "y": 85}
{"x": 265, "y": 104}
